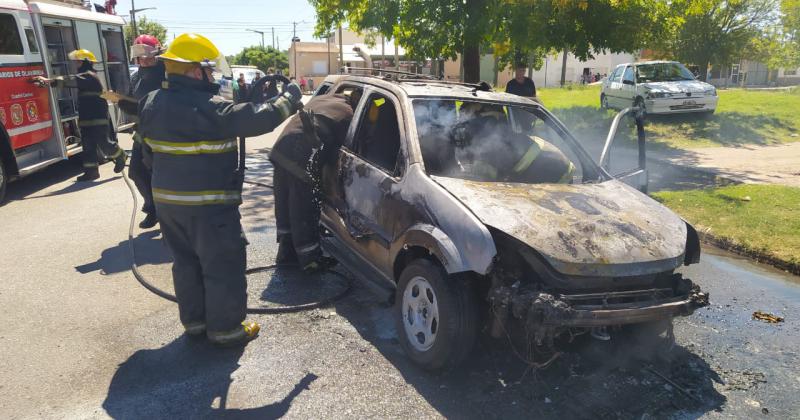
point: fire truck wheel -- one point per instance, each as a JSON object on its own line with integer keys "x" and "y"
{"x": 3, "y": 182}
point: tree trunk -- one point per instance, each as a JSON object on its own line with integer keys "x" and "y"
{"x": 703, "y": 70}
{"x": 472, "y": 63}
{"x": 564, "y": 68}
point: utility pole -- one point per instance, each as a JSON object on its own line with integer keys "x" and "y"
{"x": 133, "y": 19}
{"x": 262, "y": 36}
{"x": 341, "y": 48}
{"x": 275, "y": 55}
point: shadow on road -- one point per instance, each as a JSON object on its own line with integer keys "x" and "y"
{"x": 187, "y": 378}
{"x": 60, "y": 172}
{"x": 592, "y": 379}
{"x": 150, "y": 249}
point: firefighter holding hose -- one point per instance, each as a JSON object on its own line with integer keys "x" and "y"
{"x": 95, "y": 126}
{"x": 197, "y": 188}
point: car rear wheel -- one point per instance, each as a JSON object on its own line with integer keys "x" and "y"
{"x": 603, "y": 101}
{"x": 3, "y": 182}
{"x": 436, "y": 316}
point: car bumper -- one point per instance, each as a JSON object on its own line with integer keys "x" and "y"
{"x": 540, "y": 310}
{"x": 681, "y": 105}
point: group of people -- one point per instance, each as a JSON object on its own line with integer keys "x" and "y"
{"x": 185, "y": 164}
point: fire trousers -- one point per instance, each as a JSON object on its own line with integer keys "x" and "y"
{"x": 209, "y": 269}
{"x": 297, "y": 219}
{"x": 97, "y": 142}
{"x": 142, "y": 176}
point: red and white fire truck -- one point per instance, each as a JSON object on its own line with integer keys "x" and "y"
{"x": 39, "y": 125}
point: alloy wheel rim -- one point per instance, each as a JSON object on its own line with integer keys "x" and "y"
{"x": 420, "y": 314}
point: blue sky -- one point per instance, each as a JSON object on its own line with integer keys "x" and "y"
{"x": 226, "y": 22}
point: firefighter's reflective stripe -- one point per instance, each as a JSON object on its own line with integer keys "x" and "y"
{"x": 568, "y": 175}
{"x": 191, "y": 148}
{"x": 93, "y": 123}
{"x": 308, "y": 248}
{"x": 530, "y": 155}
{"x": 197, "y": 198}
{"x": 90, "y": 164}
{"x": 88, "y": 93}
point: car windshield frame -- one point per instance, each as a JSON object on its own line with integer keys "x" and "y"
{"x": 662, "y": 72}
{"x": 592, "y": 172}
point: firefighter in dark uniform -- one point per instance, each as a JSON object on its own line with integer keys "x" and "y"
{"x": 93, "y": 120}
{"x": 298, "y": 156}
{"x": 149, "y": 77}
{"x": 196, "y": 186}
{"x": 519, "y": 158}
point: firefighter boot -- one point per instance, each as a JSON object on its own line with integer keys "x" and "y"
{"x": 239, "y": 336}
{"x": 89, "y": 174}
{"x": 320, "y": 265}
{"x": 149, "y": 221}
{"x": 286, "y": 254}
{"x": 119, "y": 162}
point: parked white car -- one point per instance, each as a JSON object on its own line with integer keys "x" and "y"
{"x": 662, "y": 87}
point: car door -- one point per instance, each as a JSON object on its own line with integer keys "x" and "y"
{"x": 370, "y": 165}
{"x": 613, "y": 87}
{"x": 628, "y": 87}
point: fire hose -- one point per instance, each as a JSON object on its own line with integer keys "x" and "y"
{"x": 147, "y": 284}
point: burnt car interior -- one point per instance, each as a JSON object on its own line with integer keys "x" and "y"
{"x": 377, "y": 138}
{"x": 492, "y": 142}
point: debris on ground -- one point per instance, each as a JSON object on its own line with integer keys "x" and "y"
{"x": 763, "y": 316}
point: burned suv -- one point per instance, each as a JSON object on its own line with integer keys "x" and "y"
{"x": 481, "y": 212}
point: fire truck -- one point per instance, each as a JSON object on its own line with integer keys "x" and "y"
{"x": 39, "y": 125}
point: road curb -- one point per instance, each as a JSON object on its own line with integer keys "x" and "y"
{"x": 757, "y": 256}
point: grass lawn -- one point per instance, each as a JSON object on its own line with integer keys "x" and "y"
{"x": 760, "y": 218}
{"x": 743, "y": 117}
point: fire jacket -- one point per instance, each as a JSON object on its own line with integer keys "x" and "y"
{"x": 144, "y": 81}
{"x": 92, "y": 109}
{"x": 330, "y": 116}
{"x": 192, "y": 133}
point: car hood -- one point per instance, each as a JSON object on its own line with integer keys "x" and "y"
{"x": 683, "y": 86}
{"x": 603, "y": 229}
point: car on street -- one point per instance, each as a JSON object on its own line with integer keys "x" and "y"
{"x": 413, "y": 204}
{"x": 661, "y": 87}
{"x": 251, "y": 73}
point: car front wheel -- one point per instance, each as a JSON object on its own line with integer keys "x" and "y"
{"x": 604, "y": 101}
{"x": 436, "y": 316}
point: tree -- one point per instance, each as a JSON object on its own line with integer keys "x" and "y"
{"x": 148, "y": 27}
{"x": 715, "y": 31}
{"x": 262, "y": 57}
{"x": 518, "y": 30}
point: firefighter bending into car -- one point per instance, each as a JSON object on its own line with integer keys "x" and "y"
{"x": 520, "y": 157}
{"x": 298, "y": 156}
{"x": 95, "y": 125}
{"x": 197, "y": 187}
{"x": 149, "y": 77}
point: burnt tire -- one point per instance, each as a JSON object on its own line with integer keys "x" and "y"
{"x": 3, "y": 182}
{"x": 436, "y": 316}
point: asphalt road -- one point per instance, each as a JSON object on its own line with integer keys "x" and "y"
{"x": 81, "y": 339}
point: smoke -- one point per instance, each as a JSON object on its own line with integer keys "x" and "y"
{"x": 473, "y": 142}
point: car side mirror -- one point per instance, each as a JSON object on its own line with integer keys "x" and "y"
{"x": 628, "y": 82}
{"x": 634, "y": 175}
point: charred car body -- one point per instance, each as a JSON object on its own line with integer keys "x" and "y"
{"x": 424, "y": 200}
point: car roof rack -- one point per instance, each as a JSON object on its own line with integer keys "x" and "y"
{"x": 407, "y": 76}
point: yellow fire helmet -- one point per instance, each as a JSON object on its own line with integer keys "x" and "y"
{"x": 80, "y": 55}
{"x": 195, "y": 48}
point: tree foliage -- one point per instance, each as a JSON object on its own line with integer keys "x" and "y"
{"x": 148, "y": 27}
{"x": 262, "y": 57}
{"x": 715, "y": 31}
{"x": 517, "y": 30}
